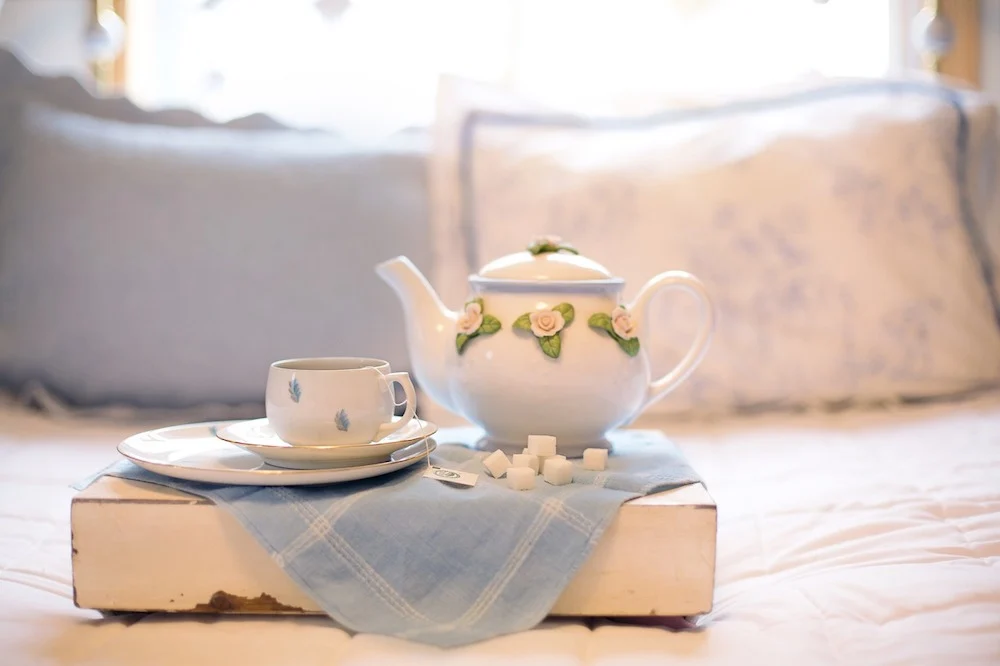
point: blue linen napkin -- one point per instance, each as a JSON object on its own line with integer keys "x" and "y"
{"x": 407, "y": 556}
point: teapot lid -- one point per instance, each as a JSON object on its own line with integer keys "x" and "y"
{"x": 546, "y": 259}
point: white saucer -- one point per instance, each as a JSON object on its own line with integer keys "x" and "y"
{"x": 258, "y": 437}
{"x": 194, "y": 453}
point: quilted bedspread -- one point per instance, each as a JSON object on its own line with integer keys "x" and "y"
{"x": 859, "y": 538}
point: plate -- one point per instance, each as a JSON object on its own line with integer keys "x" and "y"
{"x": 194, "y": 453}
{"x": 258, "y": 437}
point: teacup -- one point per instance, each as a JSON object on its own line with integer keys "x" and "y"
{"x": 335, "y": 401}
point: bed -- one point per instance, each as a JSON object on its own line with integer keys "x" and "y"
{"x": 846, "y": 421}
{"x": 866, "y": 537}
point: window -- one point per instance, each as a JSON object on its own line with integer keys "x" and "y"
{"x": 372, "y": 66}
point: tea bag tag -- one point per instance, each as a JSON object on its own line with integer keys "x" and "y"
{"x": 451, "y": 476}
{"x": 444, "y": 474}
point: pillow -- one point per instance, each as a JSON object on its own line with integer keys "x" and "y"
{"x": 169, "y": 266}
{"x": 20, "y": 86}
{"x": 831, "y": 224}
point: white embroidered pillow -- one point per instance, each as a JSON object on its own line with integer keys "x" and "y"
{"x": 832, "y": 226}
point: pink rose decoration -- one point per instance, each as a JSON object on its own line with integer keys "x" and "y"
{"x": 544, "y": 244}
{"x": 546, "y": 322}
{"x": 470, "y": 320}
{"x": 622, "y": 323}
{"x": 548, "y": 240}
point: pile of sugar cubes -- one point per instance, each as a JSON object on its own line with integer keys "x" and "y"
{"x": 540, "y": 458}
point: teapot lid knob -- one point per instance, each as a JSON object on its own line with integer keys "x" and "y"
{"x": 544, "y": 244}
{"x": 546, "y": 259}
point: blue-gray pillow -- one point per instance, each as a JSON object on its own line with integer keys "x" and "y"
{"x": 168, "y": 266}
{"x": 19, "y": 86}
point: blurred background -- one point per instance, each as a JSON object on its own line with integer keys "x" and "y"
{"x": 371, "y": 66}
{"x": 276, "y": 230}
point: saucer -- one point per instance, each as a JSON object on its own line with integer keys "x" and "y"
{"x": 194, "y": 453}
{"x": 258, "y": 437}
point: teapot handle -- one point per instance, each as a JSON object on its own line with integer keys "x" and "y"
{"x": 689, "y": 283}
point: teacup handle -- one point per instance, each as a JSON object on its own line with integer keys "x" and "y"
{"x": 694, "y": 286}
{"x": 403, "y": 379}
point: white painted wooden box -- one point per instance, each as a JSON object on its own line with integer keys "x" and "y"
{"x": 144, "y": 547}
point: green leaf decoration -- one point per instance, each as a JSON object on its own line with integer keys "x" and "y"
{"x": 523, "y": 322}
{"x": 566, "y": 310}
{"x": 601, "y": 320}
{"x": 551, "y": 345}
{"x": 490, "y": 325}
{"x": 541, "y": 248}
{"x": 631, "y": 347}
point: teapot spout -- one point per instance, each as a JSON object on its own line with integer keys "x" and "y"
{"x": 430, "y": 327}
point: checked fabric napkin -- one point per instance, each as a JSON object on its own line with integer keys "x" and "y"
{"x": 407, "y": 556}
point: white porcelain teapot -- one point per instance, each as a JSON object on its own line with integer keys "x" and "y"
{"x": 545, "y": 345}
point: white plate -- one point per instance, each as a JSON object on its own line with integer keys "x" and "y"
{"x": 194, "y": 453}
{"x": 258, "y": 437}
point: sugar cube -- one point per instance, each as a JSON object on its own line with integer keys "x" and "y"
{"x": 558, "y": 471}
{"x": 595, "y": 459}
{"x": 542, "y": 445}
{"x": 496, "y": 464}
{"x": 520, "y": 478}
{"x": 548, "y": 459}
{"x": 525, "y": 460}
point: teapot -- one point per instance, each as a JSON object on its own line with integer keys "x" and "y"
{"x": 544, "y": 345}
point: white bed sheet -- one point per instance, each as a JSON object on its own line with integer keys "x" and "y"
{"x": 862, "y": 538}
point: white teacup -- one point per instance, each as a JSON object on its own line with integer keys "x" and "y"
{"x": 338, "y": 400}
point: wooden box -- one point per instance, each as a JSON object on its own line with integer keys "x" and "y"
{"x": 144, "y": 547}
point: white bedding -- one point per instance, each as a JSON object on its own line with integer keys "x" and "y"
{"x": 855, "y": 539}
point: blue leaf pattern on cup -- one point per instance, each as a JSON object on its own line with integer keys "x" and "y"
{"x": 294, "y": 390}
{"x": 343, "y": 423}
